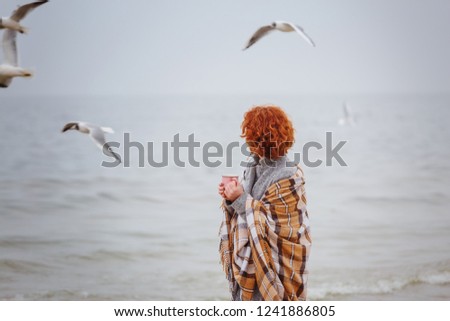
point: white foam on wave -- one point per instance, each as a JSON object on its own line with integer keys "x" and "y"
{"x": 436, "y": 278}
{"x": 375, "y": 285}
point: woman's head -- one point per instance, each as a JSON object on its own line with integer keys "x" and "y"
{"x": 267, "y": 131}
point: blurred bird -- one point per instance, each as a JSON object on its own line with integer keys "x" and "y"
{"x": 12, "y": 22}
{"x": 10, "y": 67}
{"x": 280, "y": 26}
{"x": 348, "y": 118}
{"x": 97, "y": 134}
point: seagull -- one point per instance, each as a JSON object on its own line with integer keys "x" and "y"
{"x": 97, "y": 134}
{"x": 348, "y": 118}
{"x": 10, "y": 67}
{"x": 280, "y": 26}
{"x": 17, "y": 15}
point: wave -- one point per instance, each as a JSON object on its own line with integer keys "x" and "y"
{"x": 107, "y": 256}
{"x": 66, "y": 295}
{"x": 371, "y": 285}
{"x": 22, "y": 266}
{"x": 432, "y": 198}
{"x": 104, "y": 255}
{"x": 147, "y": 199}
{"x": 24, "y": 243}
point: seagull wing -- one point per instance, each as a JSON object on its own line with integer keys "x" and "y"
{"x": 22, "y": 11}
{"x": 10, "y": 47}
{"x": 347, "y": 111}
{"x": 261, "y": 32}
{"x": 108, "y": 130}
{"x": 302, "y": 33}
{"x": 98, "y": 136}
{"x": 108, "y": 150}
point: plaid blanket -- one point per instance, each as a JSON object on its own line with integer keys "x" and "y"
{"x": 269, "y": 246}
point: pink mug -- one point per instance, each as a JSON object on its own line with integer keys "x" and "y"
{"x": 229, "y": 178}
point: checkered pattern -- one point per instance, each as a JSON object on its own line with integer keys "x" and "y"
{"x": 269, "y": 246}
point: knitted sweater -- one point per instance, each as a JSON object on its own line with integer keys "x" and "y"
{"x": 258, "y": 178}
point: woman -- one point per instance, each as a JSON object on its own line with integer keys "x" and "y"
{"x": 264, "y": 236}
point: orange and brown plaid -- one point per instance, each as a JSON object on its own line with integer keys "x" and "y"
{"x": 268, "y": 247}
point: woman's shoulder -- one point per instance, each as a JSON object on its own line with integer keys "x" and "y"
{"x": 285, "y": 169}
{"x": 284, "y": 172}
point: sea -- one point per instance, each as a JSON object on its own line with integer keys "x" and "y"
{"x": 74, "y": 228}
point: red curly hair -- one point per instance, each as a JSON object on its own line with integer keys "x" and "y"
{"x": 267, "y": 131}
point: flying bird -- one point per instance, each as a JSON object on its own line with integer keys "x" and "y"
{"x": 348, "y": 118}
{"x": 280, "y": 26}
{"x": 97, "y": 134}
{"x": 13, "y": 22}
{"x": 10, "y": 66}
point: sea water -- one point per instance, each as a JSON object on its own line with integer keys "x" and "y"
{"x": 72, "y": 229}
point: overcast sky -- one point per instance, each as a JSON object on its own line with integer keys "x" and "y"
{"x": 142, "y": 47}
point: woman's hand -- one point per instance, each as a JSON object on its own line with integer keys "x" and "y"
{"x": 233, "y": 190}
{"x": 222, "y": 190}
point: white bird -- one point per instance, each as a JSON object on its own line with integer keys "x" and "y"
{"x": 348, "y": 118}
{"x": 10, "y": 66}
{"x": 13, "y": 22}
{"x": 280, "y": 26}
{"x": 97, "y": 134}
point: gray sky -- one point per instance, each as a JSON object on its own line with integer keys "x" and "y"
{"x": 140, "y": 47}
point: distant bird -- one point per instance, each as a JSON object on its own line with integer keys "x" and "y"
{"x": 280, "y": 26}
{"x": 348, "y": 118}
{"x": 10, "y": 67}
{"x": 97, "y": 134}
{"x": 17, "y": 15}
